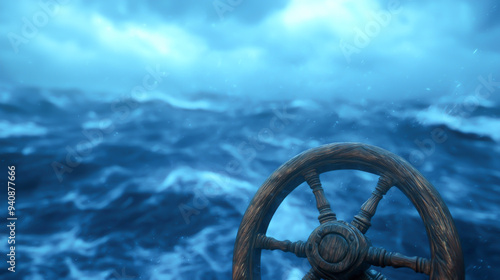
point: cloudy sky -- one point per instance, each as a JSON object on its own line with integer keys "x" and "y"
{"x": 263, "y": 49}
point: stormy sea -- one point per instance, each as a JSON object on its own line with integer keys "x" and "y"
{"x": 155, "y": 187}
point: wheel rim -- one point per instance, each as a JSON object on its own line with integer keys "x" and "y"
{"x": 446, "y": 252}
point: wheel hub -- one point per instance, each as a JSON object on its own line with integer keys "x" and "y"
{"x": 336, "y": 248}
{"x": 333, "y": 240}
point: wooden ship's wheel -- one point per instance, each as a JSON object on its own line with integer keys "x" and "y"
{"x": 337, "y": 249}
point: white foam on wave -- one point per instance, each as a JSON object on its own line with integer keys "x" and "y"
{"x": 294, "y": 274}
{"x": 307, "y": 104}
{"x": 458, "y": 193}
{"x": 9, "y": 129}
{"x": 85, "y": 202}
{"x": 97, "y": 200}
{"x": 99, "y": 124}
{"x": 480, "y": 125}
{"x": 283, "y": 266}
{"x": 111, "y": 170}
{"x": 460, "y": 98}
{"x": 205, "y": 184}
{"x": 76, "y": 273}
{"x": 213, "y": 246}
{"x": 220, "y": 183}
{"x": 28, "y": 150}
{"x": 182, "y": 102}
{"x": 60, "y": 244}
{"x": 295, "y": 219}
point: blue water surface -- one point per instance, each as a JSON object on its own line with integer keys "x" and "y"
{"x": 160, "y": 194}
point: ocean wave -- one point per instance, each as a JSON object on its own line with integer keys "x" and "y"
{"x": 187, "y": 150}
{"x": 206, "y": 255}
{"x": 60, "y": 244}
{"x": 9, "y": 129}
{"x": 220, "y": 183}
{"x": 479, "y": 125}
{"x": 81, "y": 274}
{"x": 193, "y": 102}
{"x": 100, "y": 191}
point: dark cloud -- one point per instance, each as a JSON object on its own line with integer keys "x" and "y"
{"x": 282, "y": 49}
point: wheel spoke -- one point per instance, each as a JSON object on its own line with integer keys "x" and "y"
{"x": 325, "y": 212}
{"x": 380, "y": 257}
{"x": 362, "y": 220}
{"x": 269, "y": 243}
{"x": 311, "y": 276}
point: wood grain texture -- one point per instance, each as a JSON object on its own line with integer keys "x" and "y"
{"x": 269, "y": 243}
{"x": 363, "y": 219}
{"x": 325, "y": 211}
{"x": 447, "y": 259}
{"x": 380, "y": 257}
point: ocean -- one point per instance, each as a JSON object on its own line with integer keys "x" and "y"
{"x": 155, "y": 188}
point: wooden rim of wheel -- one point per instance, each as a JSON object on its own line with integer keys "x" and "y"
{"x": 447, "y": 259}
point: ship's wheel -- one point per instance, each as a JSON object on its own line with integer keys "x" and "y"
{"x": 338, "y": 249}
